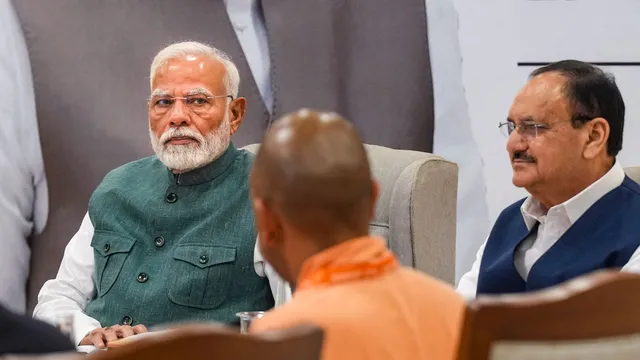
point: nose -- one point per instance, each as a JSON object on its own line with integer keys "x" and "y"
{"x": 515, "y": 142}
{"x": 179, "y": 114}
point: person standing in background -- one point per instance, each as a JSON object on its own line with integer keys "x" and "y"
{"x": 23, "y": 187}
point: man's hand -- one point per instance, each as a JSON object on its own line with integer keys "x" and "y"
{"x": 102, "y": 336}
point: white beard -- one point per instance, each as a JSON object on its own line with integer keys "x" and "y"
{"x": 183, "y": 158}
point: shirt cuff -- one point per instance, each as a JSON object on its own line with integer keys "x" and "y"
{"x": 82, "y": 325}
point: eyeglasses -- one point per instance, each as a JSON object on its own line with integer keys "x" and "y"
{"x": 530, "y": 130}
{"x": 198, "y": 104}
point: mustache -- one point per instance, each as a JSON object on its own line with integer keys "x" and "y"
{"x": 180, "y": 132}
{"x": 522, "y": 156}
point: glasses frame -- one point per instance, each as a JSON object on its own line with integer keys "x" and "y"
{"x": 150, "y": 105}
{"x": 525, "y": 129}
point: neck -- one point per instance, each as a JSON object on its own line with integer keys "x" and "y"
{"x": 572, "y": 186}
{"x": 310, "y": 245}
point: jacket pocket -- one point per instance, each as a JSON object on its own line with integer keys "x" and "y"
{"x": 201, "y": 275}
{"x": 110, "y": 250}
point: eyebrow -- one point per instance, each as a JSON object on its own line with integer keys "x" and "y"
{"x": 198, "y": 91}
{"x": 159, "y": 92}
{"x": 526, "y": 119}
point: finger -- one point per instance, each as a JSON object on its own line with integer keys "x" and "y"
{"x": 124, "y": 331}
{"x": 98, "y": 340}
{"x": 110, "y": 334}
{"x": 139, "y": 329}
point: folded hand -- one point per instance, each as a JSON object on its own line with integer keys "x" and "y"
{"x": 102, "y": 336}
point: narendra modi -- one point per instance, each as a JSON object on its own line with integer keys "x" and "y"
{"x": 171, "y": 237}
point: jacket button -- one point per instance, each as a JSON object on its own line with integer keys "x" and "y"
{"x": 171, "y": 198}
{"x": 106, "y": 248}
{"x": 159, "y": 241}
{"x": 203, "y": 259}
{"x": 127, "y": 320}
{"x": 142, "y": 277}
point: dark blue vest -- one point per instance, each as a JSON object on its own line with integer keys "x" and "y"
{"x": 605, "y": 236}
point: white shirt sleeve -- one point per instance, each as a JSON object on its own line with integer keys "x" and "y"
{"x": 468, "y": 283}
{"x": 279, "y": 288}
{"x": 73, "y": 288}
{"x": 633, "y": 266}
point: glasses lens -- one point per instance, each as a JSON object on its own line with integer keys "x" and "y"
{"x": 198, "y": 104}
{"x": 160, "y": 105}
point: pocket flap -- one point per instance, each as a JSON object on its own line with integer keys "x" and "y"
{"x": 107, "y": 243}
{"x": 204, "y": 256}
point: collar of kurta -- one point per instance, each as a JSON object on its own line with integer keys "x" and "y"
{"x": 356, "y": 259}
{"x": 207, "y": 172}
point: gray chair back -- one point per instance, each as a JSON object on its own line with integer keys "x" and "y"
{"x": 416, "y": 211}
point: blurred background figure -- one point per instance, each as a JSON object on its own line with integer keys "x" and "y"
{"x": 23, "y": 188}
{"x": 20, "y": 334}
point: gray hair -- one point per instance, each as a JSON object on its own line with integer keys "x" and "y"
{"x": 231, "y": 78}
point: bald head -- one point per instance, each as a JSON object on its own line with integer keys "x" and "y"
{"x": 313, "y": 169}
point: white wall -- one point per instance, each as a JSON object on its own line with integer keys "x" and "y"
{"x": 497, "y": 34}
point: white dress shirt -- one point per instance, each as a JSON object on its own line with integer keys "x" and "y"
{"x": 23, "y": 187}
{"x": 552, "y": 225}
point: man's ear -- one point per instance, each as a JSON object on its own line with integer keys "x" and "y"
{"x": 598, "y": 135}
{"x": 267, "y": 222}
{"x": 237, "y": 108}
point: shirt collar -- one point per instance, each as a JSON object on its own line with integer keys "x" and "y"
{"x": 207, "y": 172}
{"x": 533, "y": 212}
{"x": 346, "y": 255}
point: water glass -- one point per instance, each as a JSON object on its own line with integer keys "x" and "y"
{"x": 246, "y": 317}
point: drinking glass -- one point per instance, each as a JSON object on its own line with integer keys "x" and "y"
{"x": 246, "y": 317}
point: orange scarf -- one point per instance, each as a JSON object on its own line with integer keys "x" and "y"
{"x": 356, "y": 259}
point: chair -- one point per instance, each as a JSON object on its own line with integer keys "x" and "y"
{"x": 54, "y": 356}
{"x": 592, "y": 317}
{"x": 200, "y": 341}
{"x": 416, "y": 211}
{"x": 216, "y": 342}
{"x": 633, "y": 172}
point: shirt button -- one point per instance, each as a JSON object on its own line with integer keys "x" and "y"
{"x": 127, "y": 320}
{"x": 203, "y": 259}
{"x": 142, "y": 277}
{"x": 106, "y": 248}
{"x": 171, "y": 198}
{"x": 159, "y": 241}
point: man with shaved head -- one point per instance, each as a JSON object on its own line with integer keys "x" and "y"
{"x": 564, "y": 130}
{"x": 313, "y": 197}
